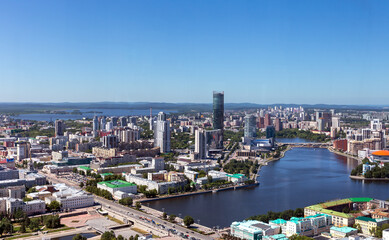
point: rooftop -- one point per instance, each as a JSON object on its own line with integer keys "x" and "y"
{"x": 382, "y": 153}
{"x": 116, "y": 183}
{"x": 343, "y": 229}
{"x": 85, "y": 167}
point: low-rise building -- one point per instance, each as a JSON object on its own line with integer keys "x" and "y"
{"x": 70, "y": 198}
{"x": 118, "y": 185}
{"x": 253, "y": 230}
{"x": 342, "y": 232}
{"x": 237, "y": 178}
{"x": 385, "y": 234}
{"x": 367, "y": 225}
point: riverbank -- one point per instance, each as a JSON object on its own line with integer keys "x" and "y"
{"x": 368, "y": 179}
{"x": 198, "y": 192}
{"x": 331, "y": 149}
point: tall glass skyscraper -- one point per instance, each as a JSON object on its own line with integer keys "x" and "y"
{"x": 218, "y": 110}
{"x": 250, "y": 126}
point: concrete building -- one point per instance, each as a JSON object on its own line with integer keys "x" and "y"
{"x": 117, "y": 185}
{"x": 59, "y": 128}
{"x": 22, "y": 150}
{"x": 110, "y": 141}
{"x": 162, "y": 133}
{"x": 161, "y": 187}
{"x": 308, "y": 226}
{"x": 368, "y": 225}
{"x": 70, "y": 198}
{"x": 253, "y": 230}
{"x": 95, "y": 126}
{"x": 385, "y": 234}
{"x": 129, "y": 135}
{"x": 58, "y": 156}
{"x": 7, "y": 173}
{"x": 200, "y": 144}
{"x": 342, "y": 232}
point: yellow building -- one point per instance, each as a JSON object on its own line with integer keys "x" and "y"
{"x": 368, "y": 225}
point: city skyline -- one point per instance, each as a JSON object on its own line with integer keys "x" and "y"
{"x": 263, "y": 52}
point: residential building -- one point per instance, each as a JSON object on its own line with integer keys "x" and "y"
{"x": 200, "y": 144}
{"x": 110, "y": 141}
{"x": 162, "y": 133}
{"x": 368, "y": 225}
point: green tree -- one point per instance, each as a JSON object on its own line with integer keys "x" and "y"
{"x": 138, "y": 205}
{"x": 120, "y": 237}
{"x": 172, "y": 218}
{"x": 81, "y": 184}
{"x": 54, "y": 206}
{"x": 79, "y": 237}
{"x": 22, "y": 227}
{"x": 188, "y": 220}
{"x": 126, "y": 201}
{"x": 34, "y": 224}
{"x": 164, "y": 215}
{"x": 298, "y": 237}
{"x": 108, "y": 236}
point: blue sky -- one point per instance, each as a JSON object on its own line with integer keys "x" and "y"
{"x": 274, "y": 51}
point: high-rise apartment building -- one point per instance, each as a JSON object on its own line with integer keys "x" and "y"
{"x": 59, "y": 128}
{"x": 162, "y": 133}
{"x": 110, "y": 141}
{"x": 102, "y": 123}
{"x": 267, "y": 120}
{"x": 278, "y": 124}
{"x": 95, "y": 126}
{"x": 250, "y": 129}
{"x": 218, "y": 110}
{"x": 200, "y": 144}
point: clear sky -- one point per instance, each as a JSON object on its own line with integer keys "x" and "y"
{"x": 314, "y": 51}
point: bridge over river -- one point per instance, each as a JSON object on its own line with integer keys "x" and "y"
{"x": 307, "y": 145}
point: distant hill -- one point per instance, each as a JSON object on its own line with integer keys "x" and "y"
{"x": 35, "y": 107}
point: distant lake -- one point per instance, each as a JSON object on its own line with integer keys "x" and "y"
{"x": 88, "y": 113}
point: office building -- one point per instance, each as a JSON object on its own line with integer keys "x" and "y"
{"x": 162, "y": 133}
{"x": 200, "y": 144}
{"x": 270, "y": 132}
{"x": 59, "y": 128}
{"x": 368, "y": 225}
{"x": 218, "y": 110}
{"x": 250, "y": 129}
{"x": 376, "y": 125}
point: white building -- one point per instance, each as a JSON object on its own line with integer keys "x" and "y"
{"x": 161, "y": 187}
{"x": 162, "y": 133}
{"x": 118, "y": 185}
{"x": 71, "y": 198}
{"x": 385, "y": 234}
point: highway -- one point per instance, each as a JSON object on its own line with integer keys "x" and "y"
{"x": 133, "y": 215}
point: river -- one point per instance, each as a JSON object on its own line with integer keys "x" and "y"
{"x": 305, "y": 176}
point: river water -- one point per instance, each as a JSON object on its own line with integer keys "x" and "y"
{"x": 305, "y": 176}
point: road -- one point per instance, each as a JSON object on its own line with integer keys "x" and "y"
{"x": 132, "y": 214}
